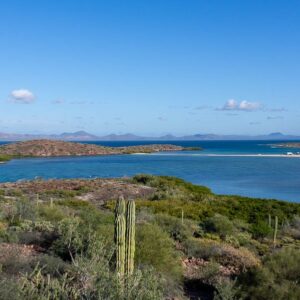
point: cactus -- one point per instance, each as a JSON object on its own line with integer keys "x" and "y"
{"x": 182, "y": 215}
{"x": 130, "y": 237}
{"x": 270, "y": 221}
{"x": 120, "y": 228}
{"x": 275, "y": 230}
{"x": 125, "y": 237}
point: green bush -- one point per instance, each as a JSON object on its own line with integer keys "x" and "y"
{"x": 9, "y": 289}
{"x": 221, "y": 252}
{"x": 26, "y": 210}
{"x": 278, "y": 278}
{"x": 177, "y": 230}
{"x": 226, "y": 289}
{"x": 90, "y": 277}
{"x": 156, "y": 249}
{"x": 261, "y": 230}
{"x": 52, "y": 214}
{"x": 71, "y": 239}
{"x": 219, "y": 224}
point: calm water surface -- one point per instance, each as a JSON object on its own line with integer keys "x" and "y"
{"x": 264, "y": 177}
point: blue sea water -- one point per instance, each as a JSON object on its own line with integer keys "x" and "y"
{"x": 254, "y": 176}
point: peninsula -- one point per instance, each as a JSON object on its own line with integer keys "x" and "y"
{"x": 50, "y": 148}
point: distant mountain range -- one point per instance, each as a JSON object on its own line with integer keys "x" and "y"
{"x": 85, "y": 136}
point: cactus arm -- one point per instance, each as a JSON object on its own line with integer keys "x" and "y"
{"x": 130, "y": 237}
{"x": 120, "y": 231}
{"x": 275, "y": 230}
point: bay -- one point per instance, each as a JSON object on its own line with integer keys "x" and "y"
{"x": 252, "y": 174}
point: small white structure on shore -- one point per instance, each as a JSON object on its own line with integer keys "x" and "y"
{"x": 290, "y": 153}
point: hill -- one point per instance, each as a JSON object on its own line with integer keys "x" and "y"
{"x": 50, "y": 148}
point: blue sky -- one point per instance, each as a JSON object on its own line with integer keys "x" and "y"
{"x": 150, "y": 67}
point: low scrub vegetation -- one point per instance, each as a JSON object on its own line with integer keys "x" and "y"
{"x": 59, "y": 246}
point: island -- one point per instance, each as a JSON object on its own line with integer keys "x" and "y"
{"x": 51, "y": 148}
{"x": 287, "y": 145}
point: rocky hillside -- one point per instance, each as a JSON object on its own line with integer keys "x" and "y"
{"x": 49, "y": 148}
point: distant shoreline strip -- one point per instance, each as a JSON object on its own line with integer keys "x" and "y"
{"x": 222, "y": 155}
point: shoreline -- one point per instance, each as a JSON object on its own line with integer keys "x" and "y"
{"x": 222, "y": 155}
{"x": 252, "y": 155}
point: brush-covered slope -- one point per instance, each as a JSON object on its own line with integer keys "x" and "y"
{"x": 48, "y": 148}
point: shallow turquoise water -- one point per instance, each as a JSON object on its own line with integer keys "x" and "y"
{"x": 264, "y": 177}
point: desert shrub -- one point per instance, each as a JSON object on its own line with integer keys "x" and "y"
{"x": 156, "y": 249}
{"x": 103, "y": 285}
{"x": 209, "y": 273}
{"x": 90, "y": 277}
{"x": 14, "y": 193}
{"x": 8, "y": 212}
{"x": 232, "y": 240}
{"x": 20, "y": 210}
{"x": 51, "y": 265}
{"x": 35, "y": 286}
{"x": 145, "y": 215}
{"x": 70, "y": 239}
{"x": 172, "y": 187}
{"x": 105, "y": 232}
{"x": 9, "y": 235}
{"x": 222, "y": 253}
{"x": 243, "y": 238}
{"x": 14, "y": 264}
{"x": 241, "y": 225}
{"x": 74, "y": 203}
{"x": 62, "y": 193}
{"x": 177, "y": 230}
{"x": 52, "y": 214}
{"x": 39, "y": 232}
{"x": 293, "y": 228}
{"x": 219, "y": 224}
{"x": 226, "y": 289}
{"x": 39, "y": 225}
{"x": 9, "y": 289}
{"x": 261, "y": 230}
{"x": 278, "y": 278}
{"x": 93, "y": 217}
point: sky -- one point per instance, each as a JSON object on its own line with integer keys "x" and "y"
{"x": 150, "y": 67}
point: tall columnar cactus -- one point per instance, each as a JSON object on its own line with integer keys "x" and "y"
{"x": 130, "y": 237}
{"x": 270, "y": 221}
{"x": 275, "y": 230}
{"x": 120, "y": 231}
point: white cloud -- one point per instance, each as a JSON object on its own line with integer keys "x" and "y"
{"x": 244, "y": 105}
{"x": 22, "y": 96}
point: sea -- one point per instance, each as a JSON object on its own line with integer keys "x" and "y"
{"x": 246, "y": 168}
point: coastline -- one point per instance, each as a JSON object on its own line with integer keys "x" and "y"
{"x": 222, "y": 155}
